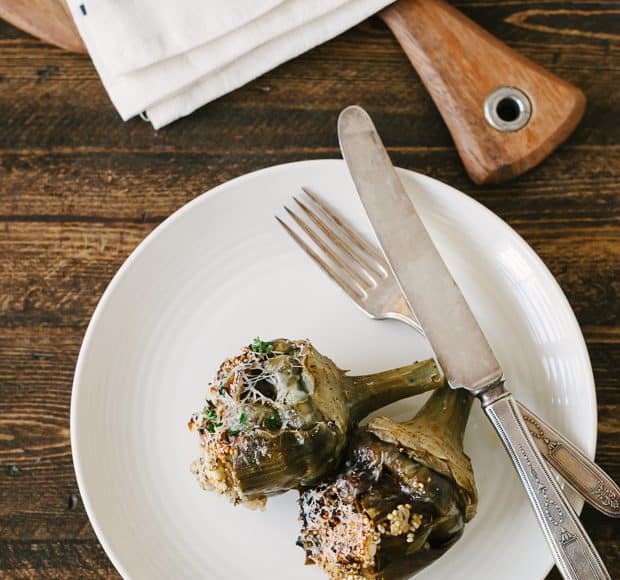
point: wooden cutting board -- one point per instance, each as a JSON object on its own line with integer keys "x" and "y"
{"x": 49, "y": 20}
{"x": 505, "y": 113}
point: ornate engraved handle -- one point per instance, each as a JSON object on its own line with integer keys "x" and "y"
{"x": 587, "y": 478}
{"x": 573, "y": 551}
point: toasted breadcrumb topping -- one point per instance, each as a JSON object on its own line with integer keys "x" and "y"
{"x": 340, "y": 537}
{"x": 237, "y": 404}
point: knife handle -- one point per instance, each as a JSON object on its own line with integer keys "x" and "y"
{"x": 573, "y": 551}
{"x": 463, "y": 67}
{"x": 585, "y": 476}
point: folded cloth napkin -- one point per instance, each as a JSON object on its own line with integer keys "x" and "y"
{"x": 166, "y": 58}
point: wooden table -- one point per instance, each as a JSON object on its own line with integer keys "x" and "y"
{"x": 79, "y": 189}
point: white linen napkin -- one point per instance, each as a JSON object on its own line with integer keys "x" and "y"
{"x": 168, "y": 57}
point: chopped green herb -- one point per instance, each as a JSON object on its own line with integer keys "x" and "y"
{"x": 233, "y": 432}
{"x": 242, "y": 418}
{"x": 259, "y": 345}
{"x": 211, "y": 428}
{"x": 209, "y": 413}
{"x": 222, "y": 390}
{"x": 273, "y": 422}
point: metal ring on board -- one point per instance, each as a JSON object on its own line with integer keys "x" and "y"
{"x": 507, "y": 109}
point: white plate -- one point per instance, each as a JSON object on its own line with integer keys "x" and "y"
{"x": 221, "y": 271}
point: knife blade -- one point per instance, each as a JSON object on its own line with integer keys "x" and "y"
{"x": 460, "y": 346}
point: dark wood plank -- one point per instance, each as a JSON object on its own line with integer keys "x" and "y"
{"x": 54, "y": 560}
{"x": 135, "y": 185}
{"x": 79, "y": 189}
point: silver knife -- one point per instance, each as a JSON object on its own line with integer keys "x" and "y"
{"x": 459, "y": 344}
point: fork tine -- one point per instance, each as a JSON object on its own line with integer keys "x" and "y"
{"x": 339, "y": 261}
{"x": 329, "y": 232}
{"x": 351, "y": 234}
{"x": 354, "y": 293}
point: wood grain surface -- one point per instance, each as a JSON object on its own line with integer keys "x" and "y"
{"x": 79, "y": 189}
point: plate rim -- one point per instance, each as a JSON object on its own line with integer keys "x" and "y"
{"x": 219, "y": 189}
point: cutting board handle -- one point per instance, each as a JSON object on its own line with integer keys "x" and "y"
{"x": 505, "y": 113}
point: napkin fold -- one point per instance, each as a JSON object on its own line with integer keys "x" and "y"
{"x": 168, "y": 58}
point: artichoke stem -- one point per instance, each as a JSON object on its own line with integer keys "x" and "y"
{"x": 446, "y": 411}
{"x": 367, "y": 393}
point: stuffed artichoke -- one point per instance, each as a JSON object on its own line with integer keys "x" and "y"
{"x": 279, "y": 416}
{"x": 406, "y": 491}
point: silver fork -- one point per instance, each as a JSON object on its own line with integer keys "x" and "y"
{"x": 363, "y": 273}
{"x": 358, "y": 268}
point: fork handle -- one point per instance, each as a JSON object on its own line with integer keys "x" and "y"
{"x": 573, "y": 551}
{"x": 581, "y": 473}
